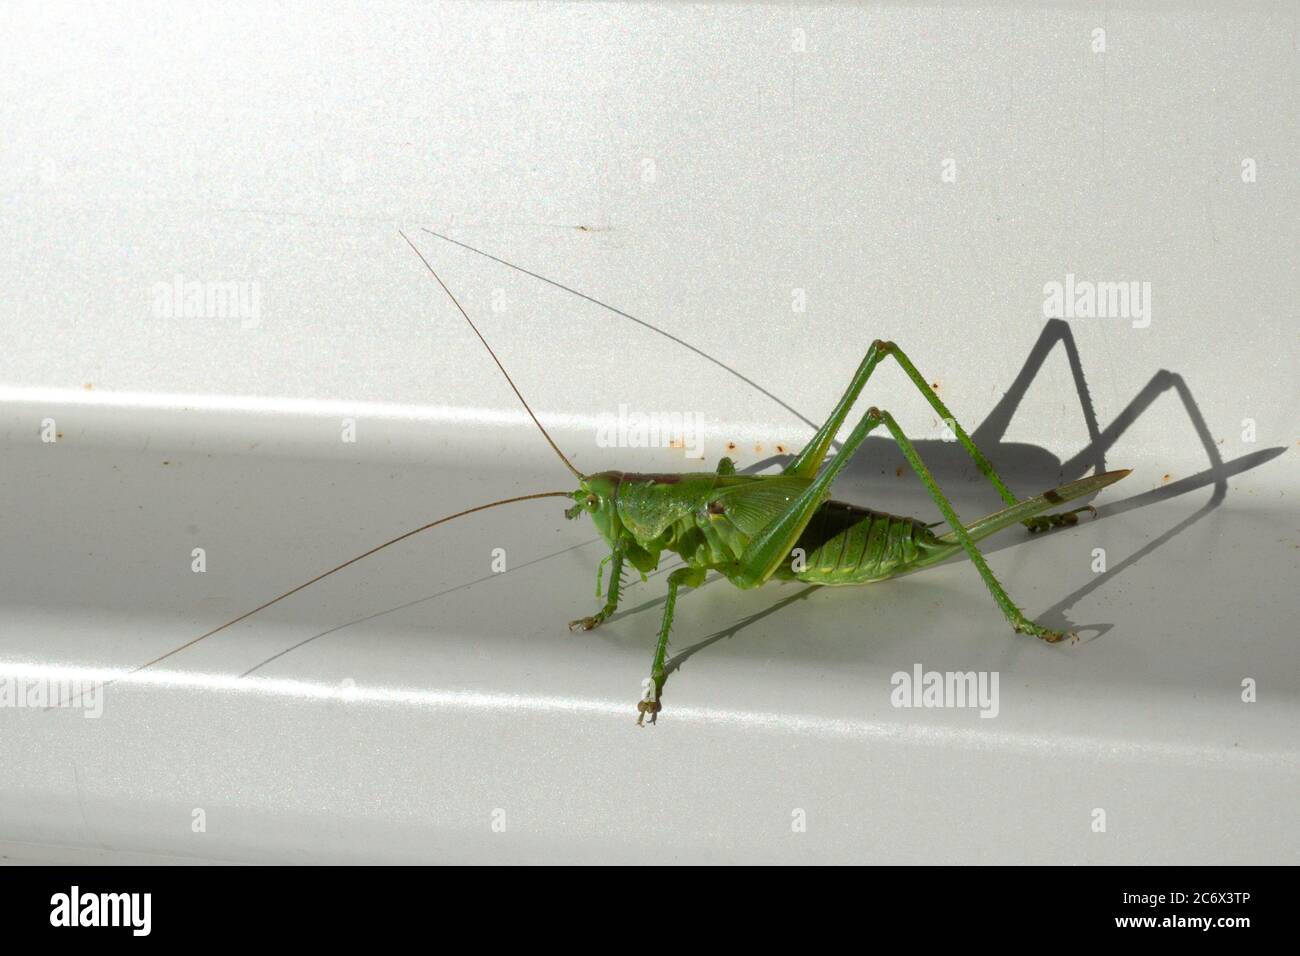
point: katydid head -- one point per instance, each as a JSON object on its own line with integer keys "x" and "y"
{"x": 597, "y": 495}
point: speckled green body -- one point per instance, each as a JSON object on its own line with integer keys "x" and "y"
{"x": 708, "y": 520}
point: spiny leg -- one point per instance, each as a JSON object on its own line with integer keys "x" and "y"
{"x": 1034, "y": 524}
{"x": 688, "y": 577}
{"x": 612, "y": 596}
{"x": 1014, "y": 615}
{"x": 810, "y": 458}
{"x": 770, "y": 547}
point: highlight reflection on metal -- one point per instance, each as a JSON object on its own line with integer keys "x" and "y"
{"x": 178, "y": 401}
{"x": 972, "y": 739}
{"x": 449, "y": 415}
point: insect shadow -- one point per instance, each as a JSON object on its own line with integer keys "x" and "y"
{"x": 1025, "y": 466}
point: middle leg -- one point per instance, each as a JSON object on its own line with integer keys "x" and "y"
{"x": 649, "y": 705}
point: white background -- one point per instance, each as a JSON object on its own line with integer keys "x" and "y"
{"x": 286, "y": 147}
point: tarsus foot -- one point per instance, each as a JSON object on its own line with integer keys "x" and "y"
{"x": 1046, "y": 633}
{"x": 644, "y": 707}
{"x": 1063, "y": 520}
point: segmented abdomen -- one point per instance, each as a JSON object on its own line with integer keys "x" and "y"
{"x": 845, "y": 544}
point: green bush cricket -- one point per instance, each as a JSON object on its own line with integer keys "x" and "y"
{"x": 752, "y": 529}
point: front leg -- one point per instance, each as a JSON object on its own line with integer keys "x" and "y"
{"x": 612, "y": 595}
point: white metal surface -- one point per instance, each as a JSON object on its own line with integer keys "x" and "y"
{"x": 706, "y": 170}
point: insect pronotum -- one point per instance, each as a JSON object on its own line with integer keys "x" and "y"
{"x": 757, "y": 528}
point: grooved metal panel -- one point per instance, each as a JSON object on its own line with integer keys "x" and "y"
{"x": 210, "y": 310}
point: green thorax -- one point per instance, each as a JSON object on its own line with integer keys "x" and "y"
{"x": 704, "y": 517}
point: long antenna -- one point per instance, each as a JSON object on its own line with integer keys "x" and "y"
{"x": 632, "y": 318}
{"x": 568, "y": 464}
{"x": 339, "y": 567}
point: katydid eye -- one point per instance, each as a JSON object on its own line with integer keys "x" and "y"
{"x": 591, "y": 501}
